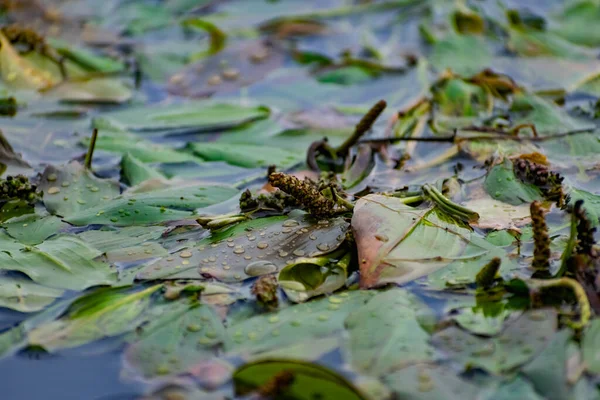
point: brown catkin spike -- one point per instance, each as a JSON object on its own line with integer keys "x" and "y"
{"x": 306, "y": 194}
{"x": 265, "y": 290}
{"x": 363, "y": 126}
{"x": 541, "y": 240}
{"x": 585, "y": 232}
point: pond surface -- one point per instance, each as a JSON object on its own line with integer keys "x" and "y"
{"x": 217, "y": 199}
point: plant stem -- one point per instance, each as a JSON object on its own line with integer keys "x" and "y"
{"x": 90, "y": 152}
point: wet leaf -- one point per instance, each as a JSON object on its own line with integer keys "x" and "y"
{"x": 309, "y": 380}
{"x": 591, "y": 204}
{"x": 62, "y": 262}
{"x": 190, "y": 116}
{"x": 135, "y": 171}
{"x": 311, "y": 277}
{"x": 495, "y": 214}
{"x": 520, "y": 341}
{"x": 152, "y": 207}
{"x": 147, "y": 152}
{"x": 502, "y": 184}
{"x": 463, "y": 54}
{"x": 400, "y": 243}
{"x": 589, "y": 347}
{"x": 246, "y": 155}
{"x": 299, "y": 323}
{"x": 576, "y": 23}
{"x": 113, "y": 239}
{"x": 385, "y": 335}
{"x": 25, "y": 296}
{"x": 430, "y": 382}
{"x": 72, "y": 188}
{"x": 548, "y": 370}
{"x": 33, "y": 228}
{"x": 101, "y": 314}
{"x": 183, "y": 336}
{"x": 250, "y": 248}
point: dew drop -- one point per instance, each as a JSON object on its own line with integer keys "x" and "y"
{"x": 185, "y": 254}
{"x": 53, "y": 190}
{"x": 323, "y": 246}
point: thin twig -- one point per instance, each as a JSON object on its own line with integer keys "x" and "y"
{"x": 455, "y": 139}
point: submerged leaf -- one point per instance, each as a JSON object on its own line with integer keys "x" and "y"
{"x": 385, "y": 335}
{"x": 502, "y": 184}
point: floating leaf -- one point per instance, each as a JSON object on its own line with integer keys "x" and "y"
{"x": 62, "y": 262}
{"x": 589, "y": 347}
{"x": 400, "y": 243}
{"x": 464, "y": 54}
{"x": 236, "y": 253}
{"x": 299, "y": 323}
{"x": 169, "y": 345}
{"x": 495, "y": 214}
{"x": 152, "y": 207}
{"x": 33, "y": 228}
{"x": 101, "y": 314}
{"x": 114, "y": 239}
{"x": 548, "y": 370}
{"x": 502, "y": 184}
{"x": 430, "y": 382}
{"x": 25, "y": 296}
{"x": 135, "y": 172}
{"x": 122, "y": 142}
{"x": 190, "y": 116}
{"x": 311, "y": 277}
{"x": 308, "y": 381}
{"x": 591, "y": 204}
{"x": 385, "y": 335}
{"x": 521, "y": 340}
{"x": 72, "y": 188}
{"x": 246, "y": 155}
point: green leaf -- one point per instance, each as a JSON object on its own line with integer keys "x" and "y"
{"x": 121, "y": 142}
{"x": 311, "y": 277}
{"x": 250, "y": 248}
{"x": 115, "y": 239}
{"x": 246, "y": 155}
{"x": 186, "y": 334}
{"x": 463, "y": 54}
{"x": 590, "y": 346}
{"x": 521, "y": 340}
{"x": 577, "y": 22}
{"x": 528, "y": 42}
{"x": 98, "y": 315}
{"x": 33, "y": 228}
{"x": 299, "y": 323}
{"x": 591, "y": 204}
{"x": 152, "y": 207}
{"x": 430, "y": 382}
{"x": 189, "y": 116}
{"x": 25, "y": 296}
{"x": 399, "y": 243}
{"x": 548, "y": 371}
{"x": 85, "y": 58}
{"x": 134, "y": 171}
{"x": 502, "y": 184}
{"x": 310, "y": 381}
{"x": 385, "y": 335}
{"x": 62, "y": 262}
{"x": 72, "y": 188}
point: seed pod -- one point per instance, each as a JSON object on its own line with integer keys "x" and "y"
{"x": 541, "y": 251}
{"x": 585, "y": 232}
{"x": 486, "y": 276}
{"x": 265, "y": 290}
{"x": 306, "y": 194}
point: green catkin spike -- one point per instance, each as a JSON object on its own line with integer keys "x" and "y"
{"x": 486, "y": 276}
